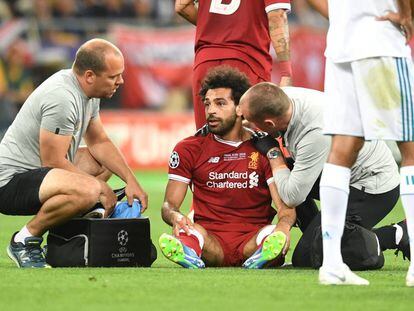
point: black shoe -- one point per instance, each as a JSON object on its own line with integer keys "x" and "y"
{"x": 27, "y": 255}
{"x": 404, "y": 245}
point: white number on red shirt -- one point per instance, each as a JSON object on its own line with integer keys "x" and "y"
{"x": 225, "y": 9}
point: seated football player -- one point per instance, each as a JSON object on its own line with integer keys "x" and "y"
{"x": 232, "y": 187}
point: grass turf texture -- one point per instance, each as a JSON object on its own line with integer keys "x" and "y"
{"x": 167, "y": 286}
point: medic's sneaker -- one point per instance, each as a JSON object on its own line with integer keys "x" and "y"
{"x": 177, "y": 252}
{"x": 27, "y": 255}
{"x": 270, "y": 249}
{"x": 343, "y": 276}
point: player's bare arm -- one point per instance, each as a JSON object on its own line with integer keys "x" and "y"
{"x": 279, "y": 162}
{"x": 187, "y": 9}
{"x": 321, "y": 6}
{"x": 279, "y": 34}
{"x": 403, "y": 18}
{"x": 53, "y": 150}
{"x": 106, "y": 153}
{"x": 286, "y": 216}
{"x": 170, "y": 211}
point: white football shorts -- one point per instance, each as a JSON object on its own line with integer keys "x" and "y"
{"x": 371, "y": 98}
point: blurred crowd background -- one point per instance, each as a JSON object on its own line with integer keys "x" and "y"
{"x": 39, "y": 37}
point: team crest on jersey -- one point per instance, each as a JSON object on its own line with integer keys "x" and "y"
{"x": 254, "y": 160}
{"x": 174, "y": 160}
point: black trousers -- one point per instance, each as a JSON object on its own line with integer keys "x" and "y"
{"x": 364, "y": 209}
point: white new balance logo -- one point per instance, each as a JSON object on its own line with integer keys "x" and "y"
{"x": 253, "y": 180}
{"x": 214, "y": 160}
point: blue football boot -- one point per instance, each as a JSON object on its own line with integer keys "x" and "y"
{"x": 177, "y": 252}
{"x": 269, "y": 251}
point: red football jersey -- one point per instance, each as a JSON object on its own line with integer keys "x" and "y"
{"x": 229, "y": 180}
{"x": 236, "y": 29}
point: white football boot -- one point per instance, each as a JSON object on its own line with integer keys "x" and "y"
{"x": 343, "y": 276}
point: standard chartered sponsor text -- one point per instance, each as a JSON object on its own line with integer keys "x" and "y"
{"x": 227, "y": 184}
{"x": 227, "y": 175}
{"x": 224, "y": 180}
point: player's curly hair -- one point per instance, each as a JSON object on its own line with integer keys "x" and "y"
{"x": 225, "y": 77}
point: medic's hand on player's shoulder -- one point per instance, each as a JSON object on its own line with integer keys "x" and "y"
{"x": 181, "y": 222}
{"x": 263, "y": 142}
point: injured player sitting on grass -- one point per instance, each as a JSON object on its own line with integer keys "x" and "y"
{"x": 232, "y": 186}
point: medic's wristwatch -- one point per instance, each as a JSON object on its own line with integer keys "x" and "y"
{"x": 274, "y": 153}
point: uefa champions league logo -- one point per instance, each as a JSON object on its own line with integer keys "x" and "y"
{"x": 123, "y": 255}
{"x": 174, "y": 160}
{"x": 122, "y": 237}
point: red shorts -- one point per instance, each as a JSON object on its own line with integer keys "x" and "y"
{"x": 198, "y": 76}
{"x": 233, "y": 242}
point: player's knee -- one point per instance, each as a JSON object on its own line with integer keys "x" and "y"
{"x": 407, "y": 153}
{"x": 345, "y": 151}
{"x": 88, "y": 193}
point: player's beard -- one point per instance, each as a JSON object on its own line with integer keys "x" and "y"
{"x": 224, "y": 127}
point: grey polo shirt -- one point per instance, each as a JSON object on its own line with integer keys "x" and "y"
{"x": 58, "y": 105}
{"x": 375, "y": 170}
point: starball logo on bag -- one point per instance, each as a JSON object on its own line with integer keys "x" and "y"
{"x": 123, "y": 255}
{"x": 122, "y": 237}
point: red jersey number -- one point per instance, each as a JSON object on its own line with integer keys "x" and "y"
{"x": 224, "y": 9}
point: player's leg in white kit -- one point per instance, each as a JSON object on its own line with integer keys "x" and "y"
{"x": 407, "y": 199}
{"x": 334, "y": 191}
{"x": 343, "y": 120}
{"x": 406, "y": 88}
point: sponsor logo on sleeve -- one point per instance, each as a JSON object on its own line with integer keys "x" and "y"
{"x": 174, "y": 160}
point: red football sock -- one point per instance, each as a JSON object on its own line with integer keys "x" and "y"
{"x": 190, "y": 241}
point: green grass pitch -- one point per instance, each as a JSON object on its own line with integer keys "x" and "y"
{"x": 166, "y": 286}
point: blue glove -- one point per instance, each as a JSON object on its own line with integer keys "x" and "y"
{"x": 123, "y": 210}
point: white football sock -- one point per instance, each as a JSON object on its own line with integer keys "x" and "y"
{"x": 334, "y": 192}
{"x": 22, "y": 234}
{"x": 407, "y": 199}
{"x": 264, "y": 233}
